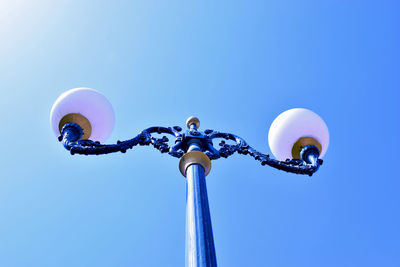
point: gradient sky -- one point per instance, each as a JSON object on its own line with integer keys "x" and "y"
{"x": 234, "y": 64}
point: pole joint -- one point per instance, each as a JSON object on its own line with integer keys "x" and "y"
{"x": 195, "y": 157}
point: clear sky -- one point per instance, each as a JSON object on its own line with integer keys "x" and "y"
{"x": 234, "y": 64}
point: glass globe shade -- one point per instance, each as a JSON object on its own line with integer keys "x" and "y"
{"x": 292, "y": 125}
{"x": 89, "y": 103}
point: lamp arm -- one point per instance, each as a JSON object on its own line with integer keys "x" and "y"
{"x": 72, "y": 132}
{"x": 297, "y": 166}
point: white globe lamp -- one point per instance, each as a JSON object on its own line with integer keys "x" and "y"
{"x": 294, "y": 129}
{"x": 86, "y": 107}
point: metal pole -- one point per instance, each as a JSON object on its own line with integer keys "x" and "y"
{"x": 200, "y": 250}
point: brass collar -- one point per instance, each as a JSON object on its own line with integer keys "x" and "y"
{"x": 79, "y": 119}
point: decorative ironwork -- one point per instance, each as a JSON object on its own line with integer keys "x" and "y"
{"x": 72, "y": 132}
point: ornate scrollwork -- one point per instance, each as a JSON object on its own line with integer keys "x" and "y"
{"x": 241, "y": 147}
{"x": 71, "y": 133}
{"x": 88, "y": 147}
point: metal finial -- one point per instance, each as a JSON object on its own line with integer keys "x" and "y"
{"x": 192, "y": 120}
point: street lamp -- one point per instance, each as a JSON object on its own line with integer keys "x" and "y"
{"x": 82, "y": 118}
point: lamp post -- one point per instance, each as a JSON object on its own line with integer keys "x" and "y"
{"x": 82, "y": 118}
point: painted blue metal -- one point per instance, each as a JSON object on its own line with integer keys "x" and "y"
{"x": 200, "y": 250}
{"x": 310, "y": 154}
{"x": 70, "y": 133}
{"x": 88, "y": 147}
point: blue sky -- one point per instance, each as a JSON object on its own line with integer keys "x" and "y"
{"x": 235, "y": 65}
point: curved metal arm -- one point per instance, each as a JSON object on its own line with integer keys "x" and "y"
{"x": 70, "y": 138}
{"x": 71, "y": 133}
{"x": 294, "y": 165}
